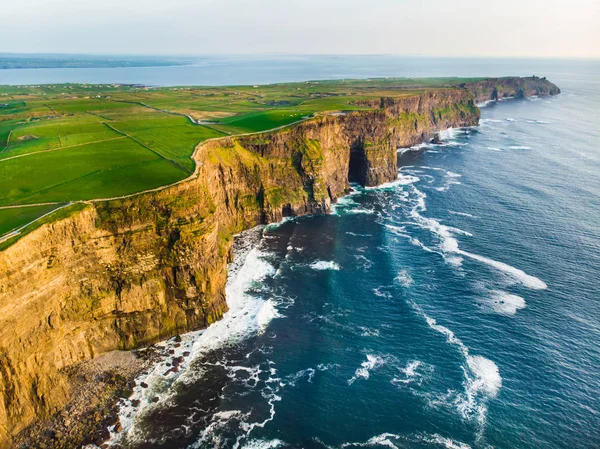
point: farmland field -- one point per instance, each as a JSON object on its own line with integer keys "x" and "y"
{"x": 75, "y": 142}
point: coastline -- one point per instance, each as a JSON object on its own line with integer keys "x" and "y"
{"x": 271, "y": 218}
{"x": 123, "y": 376}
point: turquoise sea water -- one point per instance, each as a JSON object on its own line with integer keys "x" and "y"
{"x": 458, "y": 307}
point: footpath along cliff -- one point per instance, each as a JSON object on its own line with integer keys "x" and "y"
{"x": 125, "y": 273}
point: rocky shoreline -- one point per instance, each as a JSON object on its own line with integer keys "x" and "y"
{"x": 97, "y": 386}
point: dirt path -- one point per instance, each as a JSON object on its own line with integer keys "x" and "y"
{"x": 18, "y": 230}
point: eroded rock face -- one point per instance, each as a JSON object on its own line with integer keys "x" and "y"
{"x": 125, "y": 273}
{"x": 512, "y": 87}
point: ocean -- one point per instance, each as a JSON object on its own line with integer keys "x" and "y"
{"x": 458, "y": 307}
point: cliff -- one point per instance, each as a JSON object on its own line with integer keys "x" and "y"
{"x": 122, "y": 274}
{"x": 511, "y": 87}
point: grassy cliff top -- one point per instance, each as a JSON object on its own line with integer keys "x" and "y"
{"x": 67, "y": 143}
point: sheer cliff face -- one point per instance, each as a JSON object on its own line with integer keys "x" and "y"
{"x": 499, "y": 88}
{"x": 124, "y": 273}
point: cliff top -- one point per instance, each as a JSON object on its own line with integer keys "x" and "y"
{"x": 64, "y": 144}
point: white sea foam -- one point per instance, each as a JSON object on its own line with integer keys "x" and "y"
{"x": 343, "y": 203}
{"x": 462, "y": 214}
{"x": 506, "y": 303}
{"x": 451, "y": 179}
{"x": 247, "y": 315}
{"x": 379, "y": 291}
{"x": 494, "y": 149}
{"x": 418, "y": 147}
{"x": 450, "y": 133}
{"x": 520, "y": 147}
{"x": 404, "y": 278}
{"x": 364, "y": 263}
{"x": 273, "y": 226}
{"x": 266, "y": 314}
{"x": 485, "y": 103}
{"x": 401, "y": 181}
{"x": 398, "y": 230}
{"x": 518, "y": 275}
{"x": 448, "y": 443}
{"x": 368, "y": 332}
{"x": 324, "y": 265}
{"x": 359, "y": 211}
{"x": 451, "y": 250}
{"x": 395, "y": 441}
{"x": 482, "y": 378}
{"x": 412, "y": 373}
{"x": 263, "y": 444}
{"x": 448, "y": 242}
{"x": 363, "y": 372}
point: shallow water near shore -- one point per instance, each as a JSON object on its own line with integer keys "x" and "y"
{"x": 457, "y": 307}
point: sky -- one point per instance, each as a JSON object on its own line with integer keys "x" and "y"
{"x": 507, "y": 28}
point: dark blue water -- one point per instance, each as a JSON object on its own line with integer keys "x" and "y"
{"x": 458, "y": 307}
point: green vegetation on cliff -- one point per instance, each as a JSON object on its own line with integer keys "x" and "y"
{"x": 78, "y": 142}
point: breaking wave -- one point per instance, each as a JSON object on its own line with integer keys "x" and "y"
{"x": 248, "y": 314}
{"x": 505, "y": 303}
{"x": 322, "y": 265}
{"x": 482, "y": 379}
{"x": 364, "y": 371}
{"x": 516, "y": 274}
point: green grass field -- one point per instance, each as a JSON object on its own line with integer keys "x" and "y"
{"x": 11, "y": 219}
{"x": 75, "y": 142}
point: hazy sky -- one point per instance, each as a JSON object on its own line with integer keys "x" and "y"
{"x": 423, "y": 27}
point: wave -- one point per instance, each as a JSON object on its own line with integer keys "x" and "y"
{"x": 248, "y": 315}
{"x": 404, "y": 278}
{"x": 506, "y": 303}
{"x": 344, "y": 202}
{"x": 401, "y": 181}
{"x": 368, "y": 332}
{"x": 394, "y": 441}
{"x": 412, "y": 373}
{"x": 448, "y": 443}
{"x": 482, "y": 377}
{"x": 359, "y": 211}
{"x": 449, "y": 246}
{"x": 363, "y": 372}
{"x": 495, "y": 149}
{"x": 379, "y": 291}
{"x": 518, "y": 275}
{"x": 324, "y": 265}
{"x": 418, "y": 147}
{"x": 308, "y": 373}
{"x": 450, "y": 133}
{"x": 485, "y": 103}
{"x": 520, "y": 147}
{"x": 263, "y": 444}
{"x": 363, "y": 263}
{"x": 462, "y": 214}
